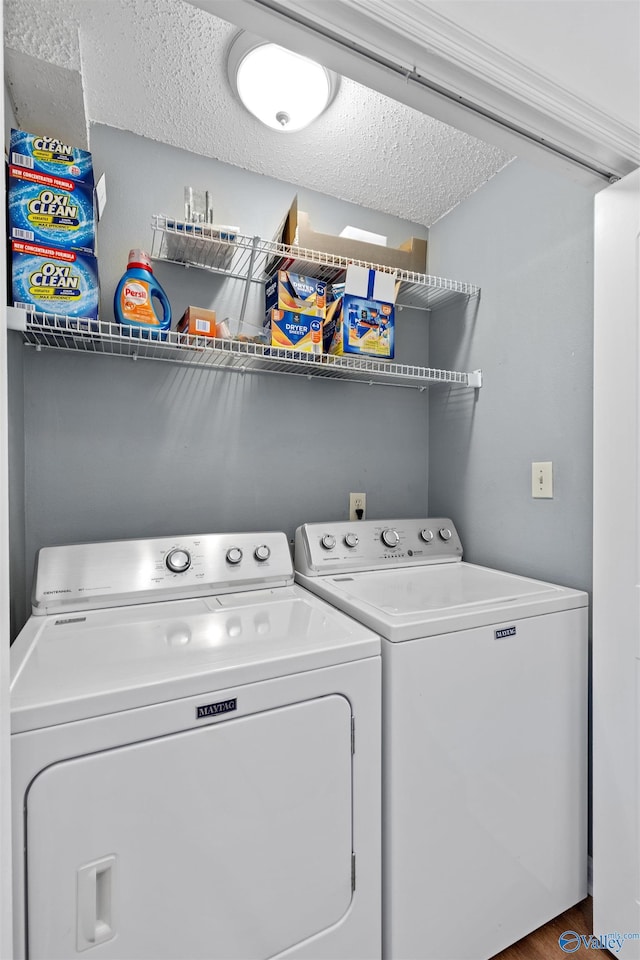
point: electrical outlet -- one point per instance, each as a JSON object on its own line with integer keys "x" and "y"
{"x": 542, "y": 480}
{"x": 357, "y": 506}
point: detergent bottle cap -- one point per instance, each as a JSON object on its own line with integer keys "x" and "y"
{"x": 139, "y": 258}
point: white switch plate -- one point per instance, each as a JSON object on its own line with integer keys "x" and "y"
{"x": 542, "y": 479}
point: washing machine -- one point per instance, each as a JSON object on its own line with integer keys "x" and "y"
{"x": 195, "y": 758}
{"x": 484, "y": 733}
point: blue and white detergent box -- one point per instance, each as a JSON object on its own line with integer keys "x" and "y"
{"x": 296, "y": 293}
{"x": 51, "y": 210}
{"x": 49, "y": 281}
{"x": 50, "y": 155}
{"x": 361, "y": 316}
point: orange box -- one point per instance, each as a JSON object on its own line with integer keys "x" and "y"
{"x": 198, "y": 322}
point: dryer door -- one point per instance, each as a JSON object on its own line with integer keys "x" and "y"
{"x": 229, "y": 841}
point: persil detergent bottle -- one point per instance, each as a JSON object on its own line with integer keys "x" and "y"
{"x": 137, "y": 298}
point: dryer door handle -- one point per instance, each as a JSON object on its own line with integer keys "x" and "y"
{"x": 95, "y": 893}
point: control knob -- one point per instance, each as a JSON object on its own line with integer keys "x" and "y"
{"x": 178, "y": 560}
{"x": 390, "y": 538}
{"x": 426, "y": 535}
{"x": 351, "y": 540}
{"x": 262, "y": 552}
{"x": 328, "y": 541}
{"x": 445, "y": 534}
{"x": 234, "y": 555}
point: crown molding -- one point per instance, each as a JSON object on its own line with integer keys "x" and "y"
{"x": 486, "y": 75}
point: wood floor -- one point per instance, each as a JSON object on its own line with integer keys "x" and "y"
{"x": 543, "y": 944}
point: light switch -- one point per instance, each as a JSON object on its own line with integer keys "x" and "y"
{"x": 542, "y": 479}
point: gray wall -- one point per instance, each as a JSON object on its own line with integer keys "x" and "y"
{"x": 526, "y": 238}
{"x": 115, "y": 448}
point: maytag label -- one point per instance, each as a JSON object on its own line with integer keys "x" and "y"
{"x": 505, "y": 632}
{"x": 213, "y": 709}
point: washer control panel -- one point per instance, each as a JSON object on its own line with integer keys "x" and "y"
{"x": 371, "y": 544}
{"x": 87, "y": 576}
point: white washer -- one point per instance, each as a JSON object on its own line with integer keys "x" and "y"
{"x": 484, "y": 733}
{"x": 184, "y": 776}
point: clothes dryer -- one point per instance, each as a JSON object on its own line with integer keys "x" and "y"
{"x": 196, "y": 758}
{"x": 484, "y": 733}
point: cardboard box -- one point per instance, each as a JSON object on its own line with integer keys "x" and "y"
{"x": 51, "y": 210}
{"x": 46, "y": 280}
{"x": 50, "y": 155}
{"x": 296, "y": 293}
{"x": 293, "y": 331}
{"x": 198, "y": 322}
{"x": 296, "y": 230}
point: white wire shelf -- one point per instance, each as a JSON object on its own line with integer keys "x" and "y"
{"x": 254, "y": 260}
{"x": 110, "y": 339}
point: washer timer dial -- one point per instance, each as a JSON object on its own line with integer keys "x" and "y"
{"x": 178, "y": 560}
{"x": 390, "y": 537}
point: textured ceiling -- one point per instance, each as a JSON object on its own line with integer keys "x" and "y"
{"x": 158, "y": 69}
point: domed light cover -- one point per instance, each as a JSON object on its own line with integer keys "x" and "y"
{"x": 284, "y": 90}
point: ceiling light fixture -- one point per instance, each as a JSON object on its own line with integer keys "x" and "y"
{"x": 282, "y": 89}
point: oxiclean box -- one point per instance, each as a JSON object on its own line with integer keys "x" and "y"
{"x": 46, "y": 280}
{"x": 50, "y": 155}
{"x": 51, "y": 210}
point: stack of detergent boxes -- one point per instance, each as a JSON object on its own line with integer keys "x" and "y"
{"x": 52, "y": 230}
{"x": 354, "y": 317}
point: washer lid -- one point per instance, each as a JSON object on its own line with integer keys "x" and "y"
{"x": 66, "y": 668}
{"x": 408, "y": 603}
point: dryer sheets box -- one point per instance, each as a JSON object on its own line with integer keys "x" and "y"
{"x": 297, "y": 293}
{"x": 293, "y": 331}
